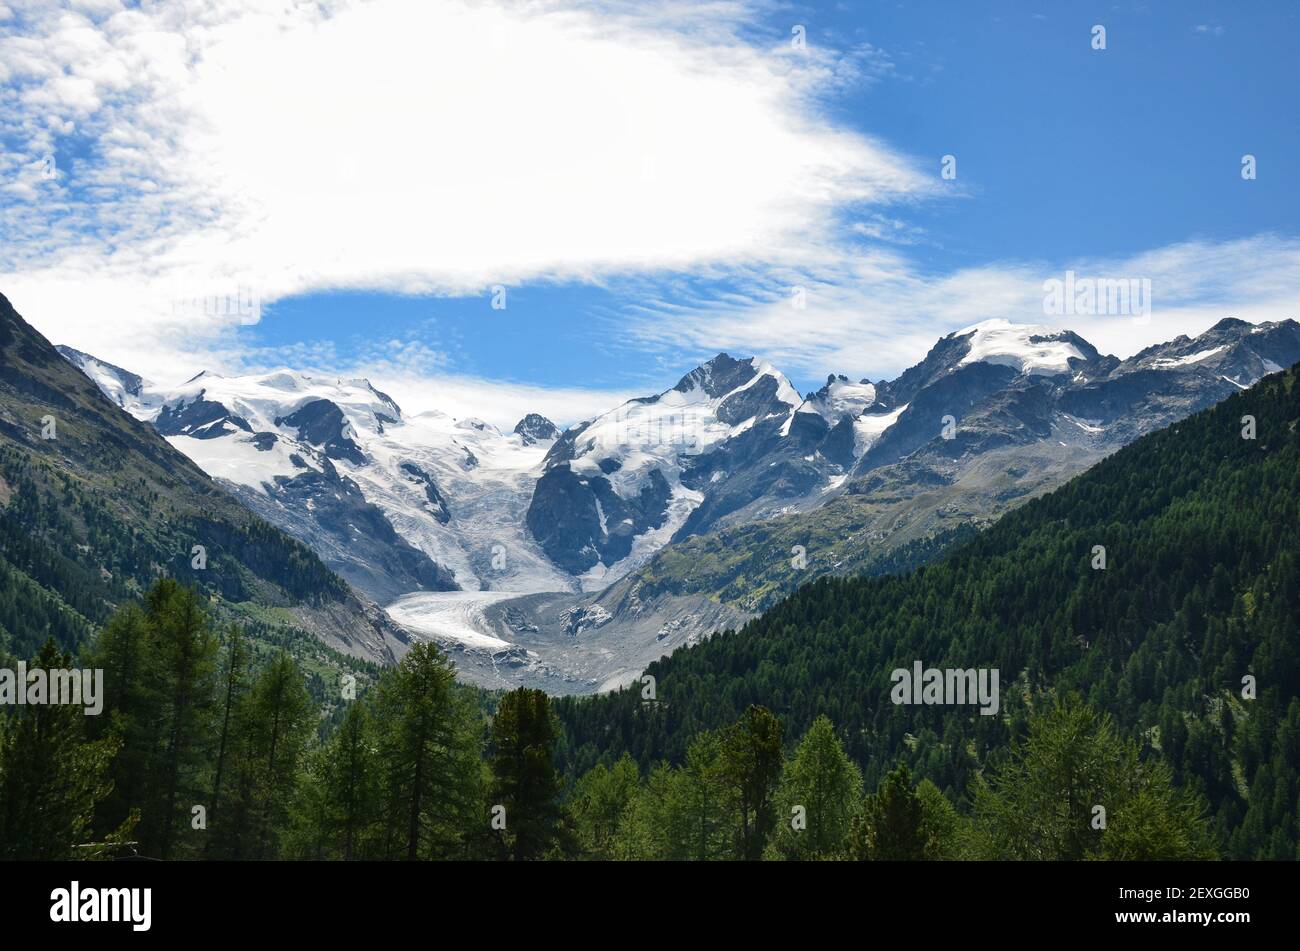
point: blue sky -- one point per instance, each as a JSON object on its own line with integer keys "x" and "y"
{"x": 648, "y": 188}
{"x": 1074, "y": 151}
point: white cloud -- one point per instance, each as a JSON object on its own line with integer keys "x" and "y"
{"x": 213, "y": 149}
{"x": 419, "y": 378}
{"x": 501, "y": 403}
{"x": 405, "y": 145}
{"x": 877, "y": 313}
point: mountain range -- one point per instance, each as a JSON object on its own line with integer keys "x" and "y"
{"x": 571, "y": 560}
{"x": 95, "y": 505}
{"x": 1182, "y": 636}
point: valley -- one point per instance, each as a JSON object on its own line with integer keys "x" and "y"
{"x": 569, "y": 559}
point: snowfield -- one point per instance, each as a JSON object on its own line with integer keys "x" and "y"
{"x": 1001, "y": 342}
{"x": 868, "y": 428}
{"x": 1189, "y": 359}
{"x": 486, "y": 542}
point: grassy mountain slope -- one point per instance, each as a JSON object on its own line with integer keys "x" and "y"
{"x": 899, "y": 517}
{"x": 90, "y": 516}
{"x": 1201, "y": 589}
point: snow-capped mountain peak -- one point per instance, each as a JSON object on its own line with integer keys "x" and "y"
{"x": 618, "y": 487}
{"x": 714, "y": 402}
{"x": 477, "y": 425}
{"x": 401, "y": 503}
{"x": 121, "y": 386}
{"x": 724, "y": 375}
{"x": 395, "y": 504}
{"x": 1028, "y": 348}
{"x": 840, "y": 397}
{"x": 1232, "y": 350}
{"x": 535, "y": 428}
{"x": 263, "y": 400}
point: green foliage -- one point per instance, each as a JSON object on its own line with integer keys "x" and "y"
{"x": 600, "y": 802}
{"x": 826, "y": 785}
{"x": 1121, "y": 688}
{"x": 892, "y": 826}
{"x": 749, "y": 566}
{"x": 342, "y": 804}
{"x": 209, "y": 748}
{"x": 234, "y": 684}
{"x": 1202, "y": 588}
{"x": 277, "y": 723}
{"x": 401, "y": 776}
{"x": 90, "y": 519}
{"x": 751, "y": 766}
{"x": 1074, "y": 789}
{"x": 188, "y": 723}
{"x": 51, "y": 776}
{"x": 122, "y": 652}
{"x": 429, "y": 751}
{"x": 706, "y": 803}
{"x": 525, "y": 782}
{"x": 944, "y": 828}
{"x": 180, "y": 679}
{"x": 159, "y": 664}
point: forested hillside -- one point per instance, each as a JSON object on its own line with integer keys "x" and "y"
{"x": 205, "y": 750}
{"x": 95, "y": 506}
{"x": 1187, "y": 638}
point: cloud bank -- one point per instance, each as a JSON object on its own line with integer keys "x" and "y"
{"x": 168, "y": 170}
{"x": 215, "y": 151}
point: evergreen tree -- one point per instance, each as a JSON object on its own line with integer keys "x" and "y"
{"x": 1202, "y": 589}
{"x": 524, "y": 732}
{"x": 655, "y": 824}
{"x": 819, "y": 795}
{"x": 1157, "y": 824}
{"x": 280, "y": 719}
{"x": 234, "y": 682}
{"x": 182, "y": 650}
{"x": 343, "y": 791}
{"x": 751, "y": 763}
{"x": 702, "y": 803}
{"x": 1072, "y": 785}
{"x": 429, "y": 751}
{"x": 892, "y": 827}
{"x": 943, "y": 826}
{"x": 599, "y": 804}
{"x": 130, "y": 713}
{"x": 51, "y": 776}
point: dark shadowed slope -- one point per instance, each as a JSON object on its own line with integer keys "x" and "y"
{"x": 94, "y": 505}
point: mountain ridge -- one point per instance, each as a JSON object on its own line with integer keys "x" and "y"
{"x": 1011, "y": 439}
{"x": 688, "y": 509}
{"x": 98, "y": 504}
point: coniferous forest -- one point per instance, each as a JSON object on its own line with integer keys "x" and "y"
{"x": 1143, "y": 619}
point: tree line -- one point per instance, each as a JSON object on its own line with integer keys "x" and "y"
{"x": 204, "y": 750}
